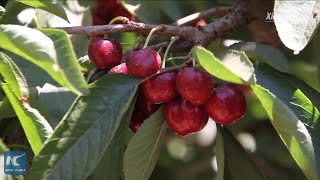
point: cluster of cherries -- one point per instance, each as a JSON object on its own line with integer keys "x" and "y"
{"x": 189, "y": 95}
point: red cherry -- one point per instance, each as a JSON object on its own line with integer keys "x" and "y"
{"x": 145, "y": 106}
{"x": 184, "y": 118}
{"x": 121, "y": 68}
{"x": 226, "y": 105}
{"x": 104, "y": 53}
{"x": 97, "y": 75}
{"x": 122, "y": 11}
{"x": 195, "y": 85}
{"x": 160, "y": 88}
{"x": 144, "y": 62}
{"x": 137, "y": 118}
{"x": 106, "y": 10}
{"x": 245, "y": 88}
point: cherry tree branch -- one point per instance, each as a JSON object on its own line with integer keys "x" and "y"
{"x": 188, "y": 35}
{"x": 131, "y": 26}
{"x": 218, "y": 11}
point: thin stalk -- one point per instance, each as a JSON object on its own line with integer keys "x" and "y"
{"x": 119, "y": 18}
{"x": 150, "y": 34}
{"x": 173, "y": 39}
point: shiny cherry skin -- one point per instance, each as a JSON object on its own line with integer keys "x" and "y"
{"x": 161, "y": 88}
{"x": 142, "y": 63}
{"x": 195, "y": 85}
{"x": 226, "y": 105}
{"x": 137, "y": 118}
{"x": 184, "y": 118}
{"x": 121, "y": 68}
{"x": 104, "y": 53}
{"x": 145, "y": 106}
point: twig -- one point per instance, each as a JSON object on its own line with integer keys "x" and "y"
{"x": 159, "y": 45}
{"x": 189, "y": 35}
{"x": 218, "y": 11}
{"x": 132, "y": 26}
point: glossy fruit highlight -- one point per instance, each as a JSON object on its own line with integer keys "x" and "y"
{"x": 226, "y": 105}
{"x": 195, "y": 85}
{"x": 104, "y": 53}
{"x": 160, "y": 88}
{"x": 142, "y": 63}
{"x": 184, "y": 118}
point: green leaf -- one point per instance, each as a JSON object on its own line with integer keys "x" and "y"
{"x": 294, "y": 117}
{"x": 264, "y": 53}
{"x": 48, "y": 5}
{"x": 13, "y": 8}
{"x": 34, "y": 75}
{"x": 13, "y": 76}
{"x": 53, "y": 55}
{"x": 67, "y": 60}
{"x": 4, "y": 148}
{"x": 235, "y": 66}
{"x": 85, "y": 63}
{"x": 49, "y": 95}
{"x": 80, "y": 140}
{"x": 37, "y": 129}
{"x": 310, "y": 92}
{"x": 6, "y": 110}
{"x": 233, "y": 161}
{"x": 111, "y": 165}
{"x": 142, "y": 152}
{"x": 296, "y": 22}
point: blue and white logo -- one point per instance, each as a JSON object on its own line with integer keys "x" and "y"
{"x": 15, "y": 162}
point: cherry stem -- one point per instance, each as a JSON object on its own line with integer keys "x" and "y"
{"x": 194, "y": 62}
{"x": 160, "y": 49}
{"x": 150, "y": 34}
{"x": 173, "y": 39}
{"x": 164, "y": 70}
{"x": 177, "y": 57}
{"x": 119, "y": 18}
{"x": 91, "y": 72}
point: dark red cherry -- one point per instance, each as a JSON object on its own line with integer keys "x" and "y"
{"x": 160, "y": 88}
{"x": 184, "y": 118}
{"x": 106, "y": 10}
{"x": 145, "y": 106}
{"x": 195, "y": 85}
{"x": 121, "y": 68}
{"x": 97, "y": 75}
{"x": 136, "y": 120}
{"x": 226, "y": 105}
{"x": 142, "y": 63}
{"x": 246, "y": 89}
{"x": 104, "y": 53}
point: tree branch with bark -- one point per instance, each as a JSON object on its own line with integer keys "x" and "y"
{"x": 188, "y": 35}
